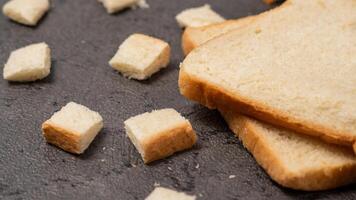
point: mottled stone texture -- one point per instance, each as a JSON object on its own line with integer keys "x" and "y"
{"x": 83, "y": 37}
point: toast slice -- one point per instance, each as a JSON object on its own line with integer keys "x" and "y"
{"x": 274, "y": 148}
{"x": 292, "y": 66}
{"x": 294, "y": 160}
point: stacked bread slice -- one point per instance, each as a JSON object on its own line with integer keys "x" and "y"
{"x": 292, "y": 67}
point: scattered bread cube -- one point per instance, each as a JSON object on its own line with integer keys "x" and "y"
{"x": 160, "y": 193}
{"x": 27, "y": 12}
{"x": 113, "y": 6}
{"x": 28, "y": 63}
{"x": 140, "y": 56}
{"x": 160, "y": 133}
{"x": 72, "y": 128}
{"x": 199, "y": 16}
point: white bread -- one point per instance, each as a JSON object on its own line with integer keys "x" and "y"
{"x": 140, "y": 56}
{"x": 282, "y": 69}
{"x": 113, "y": 6}
{"x": 27, "y": 12}
{"x": 196, "y": 36}
{"x": 284, "y": 155}
{"x": 160, "y": 133}
{"x": 294, "y": 160}
{"x": 199, "y": 16}
{"x": 160, "y": 193}
{"x": 28, "y": 63}
{"x": 72, "y": 128}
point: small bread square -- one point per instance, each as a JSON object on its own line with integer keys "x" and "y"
{"x": 28, "y": 63}
{"x": 27, "y": 12}
{"x": 160, "y": 193}
{"x": 113, "y": 6}
{"x": 140, "y": 56}
{"x": 72, "y": 128}
{"x": 160, "y": 133}
{"x": 199, "y": 16}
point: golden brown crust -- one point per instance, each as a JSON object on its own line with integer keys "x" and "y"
{"x": 214, "y": 97}
{"x": 309, "y": 180}
{"x": 61, "y": 138}
{"x": 190, "y": 42}
{"x": 169, "y": 142}
{"x": 269, "y": 1}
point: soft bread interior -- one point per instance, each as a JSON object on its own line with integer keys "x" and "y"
{"x": 284, "y": 65}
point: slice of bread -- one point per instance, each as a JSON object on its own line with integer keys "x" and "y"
{"x": 72, "y": 128}
{"x": 196, "y": 36}
{"x": 199, "y": 16}
{"x": 27, "y": 12}
{"x": 160, "y": 133}
{"x": 140, "y": 56}
{"x": 161, "y": 193}
{"x": 271, "y": 145}
{"x": 28, "y": 63}
{"x": 294, "y": 160}
{"x": 282, "y": 69}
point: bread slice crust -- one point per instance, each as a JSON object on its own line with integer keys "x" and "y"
{"x": 195, "y": 36}
{"x": 214, "y": 97}
{"x": 307, "y": 180}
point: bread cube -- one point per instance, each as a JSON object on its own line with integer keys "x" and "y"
{"x": 160, "y": 133}
{"x": 72, "y": 128}
{"x": 28, "y": 63}
{"x": 160, "y": 193}
{"x": 199, "y": 16}
{"x": 27, "y": 12}
{"x": 140, "y": 56}
{"x": 113, "y": 6}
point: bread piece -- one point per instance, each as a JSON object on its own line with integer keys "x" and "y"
{"x": 113, "y": 6}
{"x": 196, "y": 36}
{"x": 199, "y": 16}
{"x": 160, "y": 193}
{"x": 28, "y": 63}
{"x": 27, "y": 12}
{"x": 140, "y": 56}
{"x": 160, "y": 133}
{"x": 282, "y": 69}
{"x": 294, "y": 160}
{"x": 72, "y": 128}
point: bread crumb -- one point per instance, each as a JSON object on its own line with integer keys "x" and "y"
{"x": 27, "y": 12}
{"x": 113, "y": 6}
{"x": 232, "y": 176}
{"x": 72, "y": 128}
{"x": 199, "y": 16}
{"x": 29, "y": 63}
{"x": 160, "y": 193}
{"x": 160, "y": 133}
{"x": 140, "y": 56}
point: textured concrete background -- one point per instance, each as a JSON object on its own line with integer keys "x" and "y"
{"x": 83, "y": 38}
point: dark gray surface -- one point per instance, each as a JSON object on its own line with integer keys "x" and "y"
{"x": 83, "y": 38}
